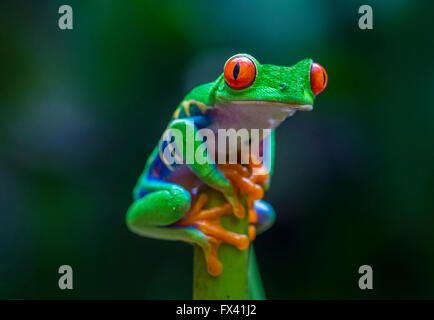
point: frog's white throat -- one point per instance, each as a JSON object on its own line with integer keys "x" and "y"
{"x": 252, "y": 114}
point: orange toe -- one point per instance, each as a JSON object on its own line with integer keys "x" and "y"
{"x": 252, "y": 233}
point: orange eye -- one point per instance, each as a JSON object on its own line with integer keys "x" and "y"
{"x": 318, "y": 78}
{"x": 240, "y": 72}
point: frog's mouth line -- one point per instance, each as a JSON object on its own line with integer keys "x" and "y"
{"x": 302, "y": 107}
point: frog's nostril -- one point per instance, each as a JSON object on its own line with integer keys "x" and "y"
{"x": 318, "y": 78}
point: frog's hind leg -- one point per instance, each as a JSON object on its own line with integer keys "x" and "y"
{"x": 157, "y": 207}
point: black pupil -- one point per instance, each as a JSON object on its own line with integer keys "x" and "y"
{"x": 236, "y": 71}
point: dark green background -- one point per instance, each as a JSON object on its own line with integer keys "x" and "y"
{"x": 80, "y": 111}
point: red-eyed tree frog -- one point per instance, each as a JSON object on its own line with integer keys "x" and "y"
{"x": 246, "y": 95}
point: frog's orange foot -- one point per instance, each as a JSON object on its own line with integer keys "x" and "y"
{"x": 216, "y": 231}
{"x": 198, "y": 214}
{"x": 216, "y": 235}
{"x": 253, "y": 216}
{"x": 208, "y": 222}
{"x": 240, "y": 178}
{"x": 259, "y": 172}
{"x": 214, "y": 266}
{"x": 252, "y": 233}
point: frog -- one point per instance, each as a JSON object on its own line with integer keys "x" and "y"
{"x": 247, "y": 94}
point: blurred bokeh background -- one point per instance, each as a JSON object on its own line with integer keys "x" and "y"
{"x": 81, "y": 110}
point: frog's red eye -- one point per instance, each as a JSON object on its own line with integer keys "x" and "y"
{"x": 318, "y": 78}
{"x": 240, "y": 72}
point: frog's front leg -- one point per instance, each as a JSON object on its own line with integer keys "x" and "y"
{"x": 207, "y": 171}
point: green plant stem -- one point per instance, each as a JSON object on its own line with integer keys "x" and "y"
{"x": 233, "y": 282}
{"x": 256, "y": 290}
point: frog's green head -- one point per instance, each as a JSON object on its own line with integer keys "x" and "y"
{"x": 245, "y": 80}
{"x": 253, "y": 95}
